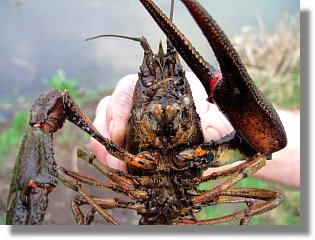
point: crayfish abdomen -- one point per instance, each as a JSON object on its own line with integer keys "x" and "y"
{"x": 165, "y": 202}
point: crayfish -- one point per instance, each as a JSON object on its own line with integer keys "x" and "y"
{"x": 165, "y": 149}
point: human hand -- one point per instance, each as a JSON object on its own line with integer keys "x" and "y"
{"x": 113, "y": 112}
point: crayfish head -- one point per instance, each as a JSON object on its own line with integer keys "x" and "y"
{"x": 171, "y": 114}
{"x": 164, "y": 114}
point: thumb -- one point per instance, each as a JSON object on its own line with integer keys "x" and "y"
{"x": 119, "y": 109}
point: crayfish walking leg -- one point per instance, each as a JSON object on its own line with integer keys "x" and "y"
{"x": 223, "y": 194}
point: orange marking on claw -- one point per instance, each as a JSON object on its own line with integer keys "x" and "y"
{"x": 199, "y": 151}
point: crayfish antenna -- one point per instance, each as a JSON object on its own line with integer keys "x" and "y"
{"x": 137, "y": 39}
{"x": 172, "y": 11}
{"x": 142, "y": 40}
{"x": 170, "y": 47}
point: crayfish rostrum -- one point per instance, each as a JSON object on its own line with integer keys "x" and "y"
{"x": 165, "y": 149}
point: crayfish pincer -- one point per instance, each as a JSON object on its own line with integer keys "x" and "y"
{"x": 35, "y": 173}
{"x": 165, "y": 148}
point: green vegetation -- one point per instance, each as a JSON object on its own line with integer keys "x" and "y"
{"x": 13, "y": 135}
{"x": 60, "y": 81}
{"x": 2, "y": 219}
{"x": 285, "y": 92}
{"x": 11, "y": 138}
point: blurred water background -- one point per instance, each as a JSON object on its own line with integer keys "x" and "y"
{"x": 38, "y": 37}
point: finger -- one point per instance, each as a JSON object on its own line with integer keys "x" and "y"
{"x": 119, "y": 109}
{"x": 213, "y": 122}
{"x": 101, "y": 119}
{"x": 112, "y": 114}
{"x": 198, "y": 92}
{"x": 101, "y": 124}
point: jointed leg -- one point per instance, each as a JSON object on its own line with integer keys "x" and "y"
{"x": 75, "y": 180}
{"x": 224, "y": 194}
{"x": 124, "y": 180}
{"x": 105, "y": 203}
{"x": 54, "y": 106}
{"x": 116, "y": 187}
{"x": 241, "y": 195}
{"x": 256, "y": 162}
{"x": 77, "y": 186}
{"x": 76, "y": 116}
{"x": 122, "y": 183}
{"x": 244, "y": 170}
{"x": 272, "y": 198}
